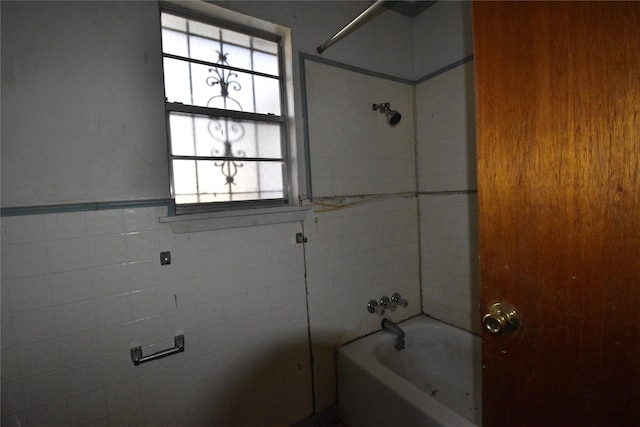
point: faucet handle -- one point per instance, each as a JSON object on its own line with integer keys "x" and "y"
{"x": 373, "y": 307}
{"x": 399, "y": 300}
{"x": 389, "y": 304}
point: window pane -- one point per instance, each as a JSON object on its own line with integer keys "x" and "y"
{"x": 177, "y": 85}
{"x": 239, "y": 57}
{"x": 182, "y": 135}
{"x": 174, "y": 42}
{"x": 236, "y": 38}
{"x": 252, "y": 161}
{"x": 265, "y": 62}
{"x": 205, "y": 86}
{"x": 184, "y": 177}
{"x": 270, "y": 140}
{"x": 193, "y": 135}
{"x": 207, "y": 42}
{"x": 203, "y": 49}
{"x": 268, "y": 95}
{"x": 226, "y": 181}
{"x": 202, "y": 29}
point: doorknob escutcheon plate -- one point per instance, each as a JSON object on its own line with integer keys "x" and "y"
{"x": 501, "y": 319}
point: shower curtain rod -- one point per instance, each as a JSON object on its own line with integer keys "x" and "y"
{"x": 350, "y": 27}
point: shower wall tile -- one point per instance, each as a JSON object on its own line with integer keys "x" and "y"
{"x": 445, "y": 131}
{"x": 450, "y": 258}
{"x": 352, "y": 149}
{"x": 355, "y": 254}
{"x": 80, "y": 289}
{"x": 445, "y": 139}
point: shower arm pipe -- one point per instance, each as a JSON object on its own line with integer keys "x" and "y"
{"x": 351, "y": 26}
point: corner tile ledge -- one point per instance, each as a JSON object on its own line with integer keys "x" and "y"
{"x": 235, "y": 219}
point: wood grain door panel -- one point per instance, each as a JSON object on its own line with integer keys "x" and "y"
{"x": 558, "y": 137}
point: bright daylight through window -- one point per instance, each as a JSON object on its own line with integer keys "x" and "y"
{"x": 226, "y": 124}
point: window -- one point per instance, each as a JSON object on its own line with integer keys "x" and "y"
{"x": 226, "y": 118}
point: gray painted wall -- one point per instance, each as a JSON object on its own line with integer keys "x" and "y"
{"x": 82, "y": 98}
{"x": 82, "y": 103}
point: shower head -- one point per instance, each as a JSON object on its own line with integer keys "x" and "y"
{"x": 393, "y": 117}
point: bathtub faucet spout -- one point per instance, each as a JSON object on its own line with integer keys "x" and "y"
{"x": 394, "y": 329}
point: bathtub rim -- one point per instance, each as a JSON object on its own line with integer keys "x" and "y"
{"x": 426, "y": 404}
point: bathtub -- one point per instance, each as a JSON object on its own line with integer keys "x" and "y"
{"x": 434, "y": 381}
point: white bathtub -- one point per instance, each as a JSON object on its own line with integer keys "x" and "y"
{"x": 434, "y": 381}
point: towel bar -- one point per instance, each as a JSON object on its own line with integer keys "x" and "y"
{"x": 138, "y": 358}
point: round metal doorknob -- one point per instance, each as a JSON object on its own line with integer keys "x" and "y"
{"x": 502, "y": 318}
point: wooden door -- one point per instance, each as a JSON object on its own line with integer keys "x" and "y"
{"x": 558, "y": 134}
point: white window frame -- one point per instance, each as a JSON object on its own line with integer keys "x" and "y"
{"x": 256, "y": 212}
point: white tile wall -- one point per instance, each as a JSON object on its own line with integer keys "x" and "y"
{"x": 353, "y": 150}
{"x": 445, "y": 135}
{"x": 448, "y": 221}
{"x": 450, "y": 257}
{"x": 368, "y": 250}
{"x": 354, "y": 255}
{"x": 80, "y": 289}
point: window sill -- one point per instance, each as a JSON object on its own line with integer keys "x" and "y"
{"x": 193, "y": 223}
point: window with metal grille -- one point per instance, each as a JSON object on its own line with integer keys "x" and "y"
{"x": 224, "y": 95}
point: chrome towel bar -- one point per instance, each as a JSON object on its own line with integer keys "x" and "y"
{"x": 138, "y": 358}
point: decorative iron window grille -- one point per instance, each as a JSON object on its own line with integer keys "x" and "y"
{"x": 226, "y": 125}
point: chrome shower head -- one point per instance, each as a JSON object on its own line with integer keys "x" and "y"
{"x": 393, "y": 117}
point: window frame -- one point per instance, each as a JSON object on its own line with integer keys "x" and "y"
{"x": 214, "y": 15}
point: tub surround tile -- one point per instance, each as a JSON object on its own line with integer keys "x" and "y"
{"x": 445, "y": 134}
{"x": 445, "y": 139}
{"x": 450, "y": 258}
{"x": 366, "y": 156}
{"x": 353, "y": 262}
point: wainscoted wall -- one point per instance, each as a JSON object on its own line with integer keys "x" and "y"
{"x": 80, "y": 289}
{"x": 448, "y": 198}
